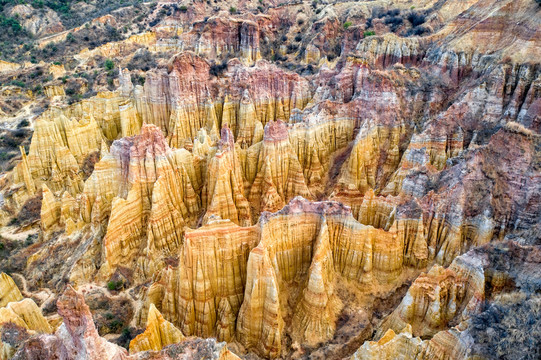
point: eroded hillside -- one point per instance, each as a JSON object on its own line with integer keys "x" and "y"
{"x": 263, "y": 179}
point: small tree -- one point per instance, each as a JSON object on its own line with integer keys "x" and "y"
{"x": 369, "y": 33}
{"x": 233, "y": 10}
{"x": 347, "y": 24}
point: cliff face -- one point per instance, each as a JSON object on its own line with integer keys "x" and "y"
{"x": 304, "y": 180}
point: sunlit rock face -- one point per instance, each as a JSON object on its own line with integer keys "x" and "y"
{"x": 158, "y": 334}
{"x": 278, "y": 180}
{"x": 19, "y": 318}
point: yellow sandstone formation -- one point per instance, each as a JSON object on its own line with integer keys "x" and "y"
{"x": 363, "y": 168}
{"x": 9, "y": 291}
{"x": 444, "y": 345}
{"x": 208, "y": 289}
{"x": 158, "y": 334}
{"x": 291, "y": 275}
{"x": 438, "y": 297}
{"x": 18, "y": 311}
{"x": 25, "y": 313}
{"x": 7, "y": 66}
{"x": 50, "y": 209}
{"x": 277, "y": 176}
{"x": 225, "y": 188}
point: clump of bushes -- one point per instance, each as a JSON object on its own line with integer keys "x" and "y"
{"x": 417, "y": 31}
{"x": 347, "y": 24}
{"x": 393, "y": 22}
{"x": 142, "y": 60}
{"x": 30, "y": 211}
{"x": 217, "y": 69}
{"x": 109, "y": 64}
{"x": 232, "y": 10}
{"x": 291, "y": 48}
{"x": 416, "y": 19}
{"x": 115, "y": 285}
{"x": 510, "y": 328}
{"x": 127, "y": 335}
{"x": 369, "y": 33}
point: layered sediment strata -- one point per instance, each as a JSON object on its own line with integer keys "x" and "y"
{"x": 217, "y": 37}
{"x": 158, "y": 216}
{"x": 449, "y": 315}
{"x": 10, "y": 292}
{"x": 76, "y": 337}
{"x": 184, "y": 99}
{"x": 17, "y": 315}
{"x": 432, "y": 141}
{"x": 444, "y": 345}
{"x": 437, "y": 297}
{"x": 204, "y": 295}
{"x": 292, "y": 259}
{"x": 277, "y": 176}
{"x": 333, "y": 135}
{"x": 225, "y": 184}
{"x": 158, "y": 333}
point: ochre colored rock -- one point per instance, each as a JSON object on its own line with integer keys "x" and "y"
{"x": 438, "y": 297}
{"x": 225, "y": 185}
{"x": 277, "y": 175}
{"x": 158, "y": 334}
{"x": 156, "y": 192}
{"x": 25, "y": 313}
{"x": 17, "y": 316}
{"x": 207, "y": 297}
{"x": 50, "y": 209}
{"x": 8, "y": 290}
{"x": 77, "y": 337}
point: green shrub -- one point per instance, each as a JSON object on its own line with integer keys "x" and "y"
{"x": 18, "y": 83}
{"x": 23, "y": 123}
{"x": 347, "y": 24}
{"x": 109, "y": 64}
{"x": 38, "y": 4}
{"x": 115, "y": 325}
{"x": 2, "y": 246}
{"x": 183, "y": 8}
{"x": 10, "y": 25}
{"x": 29, "y": 240}
{"x": 115, "y": 285}
{"x": 233, "y": 10}
{"x": 369, "y": 33}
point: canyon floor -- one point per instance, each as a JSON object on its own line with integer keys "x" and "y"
{"x": 270, "y": 179}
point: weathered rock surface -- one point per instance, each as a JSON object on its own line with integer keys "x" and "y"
{"x": 158, "y": 334}
{"x": 9, "y": 290}
{"x": 280, "y": 178}
{"x": 17, "y": 316}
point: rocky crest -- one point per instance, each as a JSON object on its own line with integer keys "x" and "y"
{"x": 277, "y": 180}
